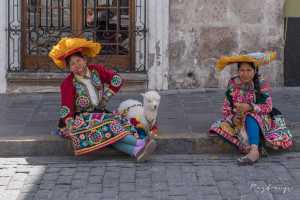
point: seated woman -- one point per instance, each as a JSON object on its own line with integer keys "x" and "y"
{"x": 248, "y": 117}
{"x": 83, "y": 100}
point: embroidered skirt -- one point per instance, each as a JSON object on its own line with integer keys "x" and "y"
{"x": 274, "y": 131}
{"x": 94, "y": 131}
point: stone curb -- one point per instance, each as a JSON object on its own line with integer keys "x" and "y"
{"x": 167, "y": 144}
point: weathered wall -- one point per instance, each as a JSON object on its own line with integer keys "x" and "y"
{"x": 203, "y": 30}
{"x": 3, "y": 50}
{"x": 157, "y": 43}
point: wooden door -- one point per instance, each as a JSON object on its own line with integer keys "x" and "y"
{"x": 110, "y": 22}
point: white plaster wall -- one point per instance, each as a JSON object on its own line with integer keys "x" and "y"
{"x": 3, "y": 46}
{"x": 157, "y": 40}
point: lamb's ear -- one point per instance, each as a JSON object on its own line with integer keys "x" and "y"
{"x": 143, "y": 94}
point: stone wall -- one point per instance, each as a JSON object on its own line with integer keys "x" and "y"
{"x": 3, "y": 50}
{"x": 203, "y": 30}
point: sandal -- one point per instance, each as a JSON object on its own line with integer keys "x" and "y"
{"x": 147, "y": 151}
{"x": 243, "y": 161}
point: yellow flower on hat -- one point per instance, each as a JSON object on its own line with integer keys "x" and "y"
{"x": 258, "y": 58}
{"x": 68, "y": 46}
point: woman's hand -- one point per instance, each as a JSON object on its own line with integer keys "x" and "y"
{"x": 243, "y": 107}
{"x": 103, "y": 103}
{"x": 236, "y": 120}
{"x": 66, "y": 132}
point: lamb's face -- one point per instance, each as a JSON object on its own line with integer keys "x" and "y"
{"x": 151, "y": 100}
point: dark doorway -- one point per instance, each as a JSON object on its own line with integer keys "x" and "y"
{"x": 292, "y": 52}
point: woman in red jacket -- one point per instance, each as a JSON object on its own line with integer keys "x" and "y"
{"x": 83, "y": 100}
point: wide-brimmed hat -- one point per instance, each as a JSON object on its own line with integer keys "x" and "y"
{"x": 258, "y": 58}
{"x": 68, "y": 46}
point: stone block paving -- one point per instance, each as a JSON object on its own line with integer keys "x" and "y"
{"x": 164, "y": 177}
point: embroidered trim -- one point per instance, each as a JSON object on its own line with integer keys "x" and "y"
{"x": 226, "y": 135}
{"x": 101, "y": 145}
{"x": 116, "y": 128}
{"x": 79, "y": 122}
{"x": 83, "y": 90}
{"x": 95, "y": 78}
{"x": 107, "y": 135}
{"x": 108, "y": 94}
{"x": 78, "y": 87}
{"x": 83, "y": 101}
{"x": 64, "y": 111}
{"x": 116, "y": 81}
{"x": 69, "y": 122}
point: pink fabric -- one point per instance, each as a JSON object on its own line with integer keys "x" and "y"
{"x": 241, "y": 94}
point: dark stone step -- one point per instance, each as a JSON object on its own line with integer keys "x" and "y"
{"x": 24, "y": 82}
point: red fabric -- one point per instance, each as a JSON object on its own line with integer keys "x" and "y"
{"x": 154, "y": 130}
{"x": 134, "y": 121}
{"x": 68, "y": 92}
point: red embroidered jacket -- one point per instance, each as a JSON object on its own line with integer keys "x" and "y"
{"x": 70, "y": 98}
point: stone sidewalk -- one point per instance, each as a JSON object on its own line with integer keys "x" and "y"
{"x": 26, "y": 121}
{"x": 164, "y": 177}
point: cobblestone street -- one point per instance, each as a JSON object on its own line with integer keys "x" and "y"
{"x": 164, "y": 177}
{"x": 230, "y": 67}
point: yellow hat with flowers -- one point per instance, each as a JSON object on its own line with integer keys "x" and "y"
{"x": 258, "y": 58}
{"x": 68, "y": 46}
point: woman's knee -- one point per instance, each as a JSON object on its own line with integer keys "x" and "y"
{"x": 251, "y": 122}
{"x": 250, "y": 119}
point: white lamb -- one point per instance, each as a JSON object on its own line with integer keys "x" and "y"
{"x": 146, "y": 112}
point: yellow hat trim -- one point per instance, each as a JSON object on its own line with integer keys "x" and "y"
{"x": 68, "y": 46}
{"x": 258, "y": 59}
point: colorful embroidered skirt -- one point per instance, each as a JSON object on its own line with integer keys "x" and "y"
{"x": 275, "y": 133}
{"x": 97, "y": 130}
